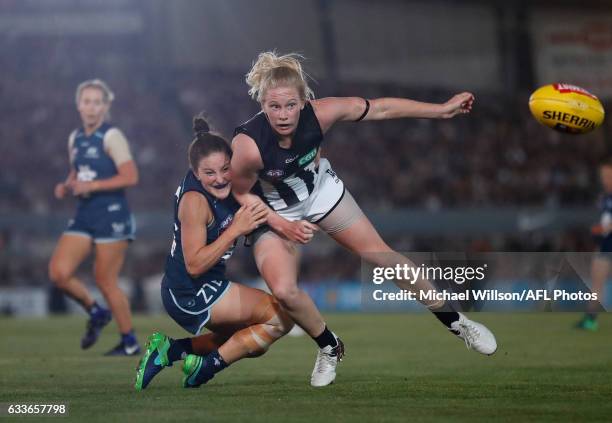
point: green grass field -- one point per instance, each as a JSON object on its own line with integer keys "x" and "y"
{"x": 397, "y": 368}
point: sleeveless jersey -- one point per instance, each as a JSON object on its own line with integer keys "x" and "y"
{"x": 288, "y": 174}
{"x": 223, "y": 211}
{"x": 91, "y": 162}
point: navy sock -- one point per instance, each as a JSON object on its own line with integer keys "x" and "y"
{"x": 326, "y": 338}
{"x": 213, "y": 364}
{"x": 129, "y": 338}
{"x": 179, "y": 348}
{"x": 216, "y": 361}
{"x": 95, "y": 309}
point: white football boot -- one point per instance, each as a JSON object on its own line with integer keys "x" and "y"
{"x": 476, "y": 335}
{"x": 324, "y": 371}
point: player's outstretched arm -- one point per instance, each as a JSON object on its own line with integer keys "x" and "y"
{"x": 194, "y": 213}
{"x": 334, "y": 109}
{"x": 246, "y": 161}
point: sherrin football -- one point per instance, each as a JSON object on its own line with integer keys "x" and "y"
{"x": 566, "y": 108}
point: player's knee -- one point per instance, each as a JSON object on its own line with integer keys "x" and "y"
{"x": 279, "y": 325}
{"x": 287, "y": 295}
{"x": 105, "y": 280}
{"x": 270, "y": 313}
{"x": 105, "y": 284}
{"x": 59, "y": 275}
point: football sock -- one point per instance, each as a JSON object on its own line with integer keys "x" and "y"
{"x": 446, "y": 317}
{"x": 179, "y": 348}
{"x": 217, "y": 362}
{"x": 129, "y": 338}
{"x": 94, "y": 309}
{"x": 213, "y": 364}
{"x": 326, "y": 338}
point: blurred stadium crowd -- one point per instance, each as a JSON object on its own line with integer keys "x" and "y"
{"x": 497, "y": 157}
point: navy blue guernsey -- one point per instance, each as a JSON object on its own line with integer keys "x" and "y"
{"x": 288, "y": 174}
{"x": 223, "y": 214}
{"x": 91, "y": 162}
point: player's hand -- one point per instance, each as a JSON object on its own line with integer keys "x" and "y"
{"x": 248, "y": 218}
{"x": 82, "y": 187}
{"x": 300, "y": 231}
{"x": 459, "y": 104}
{"x": 60, "y": 190}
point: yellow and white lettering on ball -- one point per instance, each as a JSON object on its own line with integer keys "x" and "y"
{"x": 566, "y": 108}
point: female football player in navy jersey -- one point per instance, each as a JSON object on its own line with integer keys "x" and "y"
{"x": 196, "y": 293}
{"x": 101, "y": 168}
{"x": 277, "y": 156}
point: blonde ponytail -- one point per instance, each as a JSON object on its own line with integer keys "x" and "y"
{"x": 271, "y": 71}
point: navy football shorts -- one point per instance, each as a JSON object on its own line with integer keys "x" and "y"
{"x": 190, "y": 307}
{"x": 107, "y": 224}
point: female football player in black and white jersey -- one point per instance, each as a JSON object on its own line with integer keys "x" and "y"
{"x": 277, "y": 156}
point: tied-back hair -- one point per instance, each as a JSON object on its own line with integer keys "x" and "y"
{"x": 271, "y": 71}
{"x": 107, "y": 95}
{"x": 205, "y": 143}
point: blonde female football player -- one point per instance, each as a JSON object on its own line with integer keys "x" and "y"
{"x": 195, "y": 290}
{"x": 277, "y": 155}
{"x": 101, "y": 168}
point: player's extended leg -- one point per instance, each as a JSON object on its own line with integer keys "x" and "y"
{"x": 600, "y": 268}
{"x": 108, "y": 262}
{"x": 277, "y": 261}
{"x": 69, "y": 253}
{"x": 362, "y": 239}
{"x": 245, "y": 322}
{"x": 265, "y": 322}
{"x": 263, "y": 319}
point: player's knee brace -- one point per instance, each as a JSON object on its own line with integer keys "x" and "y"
{"x": 270, "y": 313}
{"x": 271, "y": 322}
{"x": 255, "y": 340}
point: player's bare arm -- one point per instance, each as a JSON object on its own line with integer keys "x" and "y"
{"x": 336, "y": 109}
{"x": 194, "y": 214}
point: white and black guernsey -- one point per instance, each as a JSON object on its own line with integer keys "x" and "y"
{"x": 288, "y": 175}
